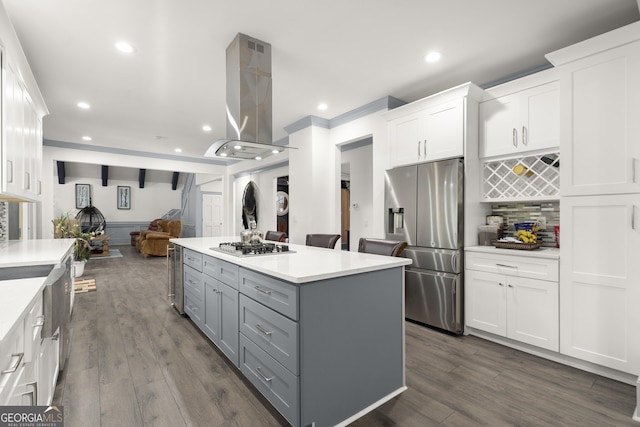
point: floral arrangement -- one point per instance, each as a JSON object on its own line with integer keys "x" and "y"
{"x": 65, "y": 228}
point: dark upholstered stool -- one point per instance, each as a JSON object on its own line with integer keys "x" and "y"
{"x": 381, "y": 247}
{"x": 322, "y": 240}
{"x": 276, "y": 236}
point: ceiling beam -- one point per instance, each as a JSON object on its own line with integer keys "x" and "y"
{"x": 105, "y": 175}
{"x": 141, "y": 176}
{"x": 174, "y": 180}
{"x": 61, "y": 174}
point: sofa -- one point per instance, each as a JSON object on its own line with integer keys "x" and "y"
{"x": 155, "y": 243}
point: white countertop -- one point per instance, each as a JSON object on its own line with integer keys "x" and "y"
{"x": 544, "y": 252}
{"x": 19, "y": 253}
{"x": 15, "y": 298}
{"x": 307, "y": 264}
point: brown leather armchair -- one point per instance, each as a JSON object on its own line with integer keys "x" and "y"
{"x": 153, "y": 226}
{"x": 381, "y": 247}
{"x": 156, "y": 242}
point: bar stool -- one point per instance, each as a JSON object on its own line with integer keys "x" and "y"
{"x": 275, "y": 236}
{"x": 322, "y": 240}
{"x": 381, "y": 247}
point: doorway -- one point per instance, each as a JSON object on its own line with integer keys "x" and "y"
{"x": 282, "y": 204}
{"x": 356, "y": 191}
{"x": 211, "y": 214}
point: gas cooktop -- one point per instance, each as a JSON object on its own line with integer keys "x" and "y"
{"x": 248, "y": 249}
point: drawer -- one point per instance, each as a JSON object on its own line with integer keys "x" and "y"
{"x": 193, "y": 282}
{"x": 194, "y": 308}
{"x": 276, "y": 383}
{"x": 276, "y": 294}
{"x": 193, "y": 259}
{"x": 271, "y": 331}
{"x": 222, "y": 270}
{"x": 514, "y": 265}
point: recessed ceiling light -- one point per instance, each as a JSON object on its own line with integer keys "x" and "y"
{"x": 275, "y": 151}
{"x": 223, "y": 154}
{"x": 237, "y": 147}
{"x": 86, "y": 138}
{"x": 206, "y": 128}
{"x": 124, "y": 47}
{"x": 258, "y": 158}
{"x": 322, "y": 106}
{"x": 83, "y": 105}
{"x": 178, "y": 150}
{"x": 432, "y": 57}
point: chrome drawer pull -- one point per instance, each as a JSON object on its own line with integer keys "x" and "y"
{"x": 263, "y": 330}
{"x": 15, "y": 366}
{"x": 264, "y": 377}
{"x": 264, "y": 291}
{"x": 507, "y": 265}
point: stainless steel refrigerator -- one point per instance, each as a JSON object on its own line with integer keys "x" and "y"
{"x": 424, "y": 207}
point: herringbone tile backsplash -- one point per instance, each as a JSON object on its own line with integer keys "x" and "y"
{"x": 521, "y": 212}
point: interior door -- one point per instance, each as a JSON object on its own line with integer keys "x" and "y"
{"x": 211, "y": 215}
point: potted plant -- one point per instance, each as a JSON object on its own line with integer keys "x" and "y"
{"x": 81, "y": 252}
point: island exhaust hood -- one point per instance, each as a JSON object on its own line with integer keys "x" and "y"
{"x": 249, "y": 128}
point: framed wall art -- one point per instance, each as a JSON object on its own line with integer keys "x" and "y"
{"x": 124, "y": 197}
{"x": 83, "y": 195}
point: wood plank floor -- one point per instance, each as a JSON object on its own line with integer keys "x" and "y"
{"x": 135, "y": 362}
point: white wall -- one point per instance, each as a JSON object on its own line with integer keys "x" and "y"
{"x": 374, "y": 126}
{"x": 266, "y": 181}
{"x": 360, "y": 193}
{"x": 51, "y": 206}
{"x": 147, "y": 203}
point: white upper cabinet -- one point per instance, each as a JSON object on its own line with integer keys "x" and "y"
{"x": 22, "y": 109}
{"x": 600, "y": 107}
{"x": 523, "y": 121}
{"x": 432, "y": 128}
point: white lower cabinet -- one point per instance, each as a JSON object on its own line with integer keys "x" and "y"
{"x": 20, "y": 359}
{"x": 507, "y": 302}
{"x": 600, "y": 292}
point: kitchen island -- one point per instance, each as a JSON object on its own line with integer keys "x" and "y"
{"x": 319, "y": 332}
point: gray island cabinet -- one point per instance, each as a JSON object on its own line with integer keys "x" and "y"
{"x": 320, "y": 333}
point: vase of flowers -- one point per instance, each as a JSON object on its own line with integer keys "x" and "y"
{"x": 81, "y": 252}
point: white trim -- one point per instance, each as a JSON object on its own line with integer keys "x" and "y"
{"x": 371, "y": 407}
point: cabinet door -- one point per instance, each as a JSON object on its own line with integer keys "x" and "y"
{"x": 485, "y": 302}
{"x": 444, "y": 131}
{"x": 599, "y": 292}
{"x": 532, "y": 312}
{"x": 540, "y": 117}
{"x": 498, "y": 125}
{"x": 406, "y": 142}
{"x": 212, "y": 298}
{"x": 229, "y": 322}
{"x": 600, "y": 106}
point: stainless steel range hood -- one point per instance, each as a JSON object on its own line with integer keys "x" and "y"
{"x": 249, "y": 128}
